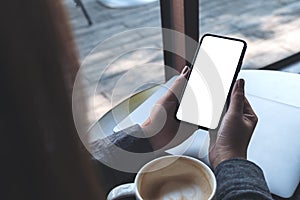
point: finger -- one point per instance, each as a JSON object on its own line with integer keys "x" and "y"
{"x": 170, "y": 107}
{"x": 175, "y": 91}
{"x": 237, "y": 97}
{"x": 185, "y": 71}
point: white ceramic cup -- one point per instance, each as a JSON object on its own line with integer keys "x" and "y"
{"x": 170, "y": 177}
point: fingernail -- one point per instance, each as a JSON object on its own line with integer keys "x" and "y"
{"x": 184, "y": 70}
{"x": 241, "y": 83}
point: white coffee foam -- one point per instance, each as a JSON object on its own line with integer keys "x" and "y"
{"x": 182, "y": 179}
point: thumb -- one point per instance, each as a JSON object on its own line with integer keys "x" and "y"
{"x": 237, "y": 97}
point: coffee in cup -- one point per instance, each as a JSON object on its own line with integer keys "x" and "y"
{"x": 172, "y": 178}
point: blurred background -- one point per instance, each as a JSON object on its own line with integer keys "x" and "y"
{"x": 271, "y": 29}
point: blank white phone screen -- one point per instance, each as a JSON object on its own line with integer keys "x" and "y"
{"x": 214, "y": 68}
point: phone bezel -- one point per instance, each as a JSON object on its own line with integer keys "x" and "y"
{"x": 238, "y": 68}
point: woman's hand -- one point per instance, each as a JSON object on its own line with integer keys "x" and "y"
{"x": 162, "y": 126}
{"x": 236, "y": 128}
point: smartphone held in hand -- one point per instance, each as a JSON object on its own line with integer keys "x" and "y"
{"x": 215, "y": 67}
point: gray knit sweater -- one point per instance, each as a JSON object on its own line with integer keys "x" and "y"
{"x": 236, "y": 178}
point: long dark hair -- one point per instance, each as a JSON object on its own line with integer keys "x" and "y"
{"x": 41, "y": 154}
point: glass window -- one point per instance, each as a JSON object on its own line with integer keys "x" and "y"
{"x": 271, "y": 28}
{"x": 120, "y": 54}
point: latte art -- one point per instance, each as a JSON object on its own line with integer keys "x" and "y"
{"x": 180, "y": 179}
{"x": 170, "y": 178}
{"x": 183, "y": 190}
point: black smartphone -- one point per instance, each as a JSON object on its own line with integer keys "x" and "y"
{"x": 214, "y": 70}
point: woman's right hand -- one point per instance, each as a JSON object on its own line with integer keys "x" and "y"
{"x": 236, "y": 128}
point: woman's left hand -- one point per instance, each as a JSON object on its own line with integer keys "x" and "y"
{"x": 162, "y": 126}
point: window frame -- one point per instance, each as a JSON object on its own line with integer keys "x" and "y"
{"x": 181, "y": 16}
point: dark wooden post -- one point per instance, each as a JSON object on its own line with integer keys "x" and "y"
{"x": 181, "y": 16}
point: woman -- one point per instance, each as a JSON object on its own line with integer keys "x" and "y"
{"x": 42, "y": 155}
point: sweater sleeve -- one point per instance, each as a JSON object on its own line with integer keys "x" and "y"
{"x": 131, "y": 139}
{"x": 107, "y": 150}
{"x": 241, "y": 179}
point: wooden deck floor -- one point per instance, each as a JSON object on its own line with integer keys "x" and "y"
{"x": 271, "y": 28}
